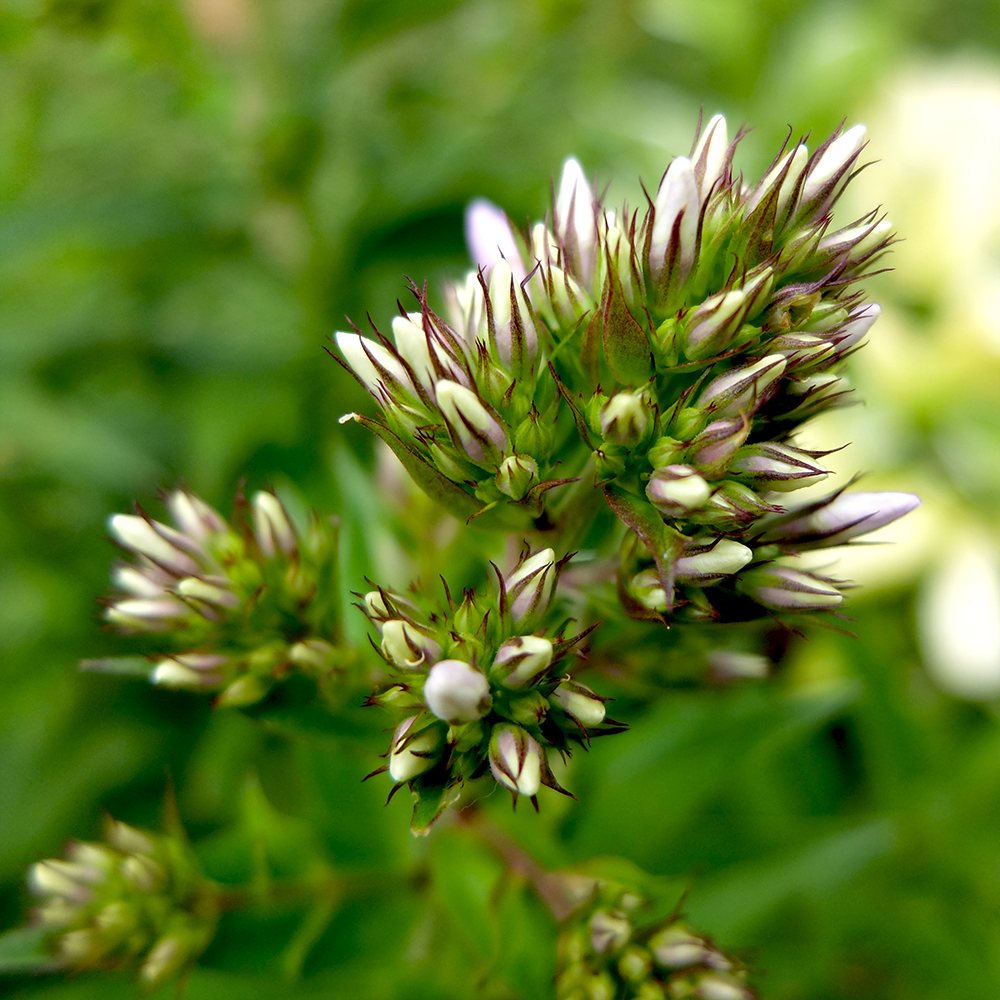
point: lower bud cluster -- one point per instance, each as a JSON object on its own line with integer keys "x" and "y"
{"x": 481, "y": 688}
{"x": 231, "y": 608}
{"x": 607, "y": 952}
{"x": 136, "y": 899}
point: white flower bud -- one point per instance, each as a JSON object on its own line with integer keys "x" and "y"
{"x": 854, "y": 331}
{"x": 647, "y": 589}
{"x": 777, "y": 467}
{"x": 580, "y": 702}
{"x": 476, "y": 428}
{"x": 365, "y": 357}
{"x": 457, "y": 692}
{"x": 782, "y": 588}
{"x": 139, "y": 535}
{"x": 575, "y": 218}
{"x": 743, "y": 389}
{"x": 713, "y": 986}
{"x": 516, "y": 475}
{"x": 522, "y": 660}
{"x": 625, "y": 418}
{"x": 164, "y": 959}
{"x": 194, "y": 586}
{"x": 724, "y": 558}
{"x": 609, "y": 931}
{"x": 529, "y": 587}
{"x": 406, "y": 645}
{"x": 835, "y": 159}
{"x": 194, "y": 517}
{"x": 844, "y": 517}
{"x": 489, "y": 237}
{"x": 407, "y": 760}
{"x": 709, "y": 156}
{"x": 676, "y": 197}
{"x": 676, "y": 947}
{"x": 516, "y": 760}
{"x": 271, "y": 525}
{"x": 170, "y": 673}
{"x": 677, "y": 489}
{"x": 799, "y": 157}
{"x": 147, "y": 614}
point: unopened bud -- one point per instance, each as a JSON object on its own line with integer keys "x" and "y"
{"x": 625, "y": 418}
{"x": 516, "y": 760}
{"x": 372, "y": 363}
{"x": 523, "y": 660}
{"x": 477, "y": 430}
{"x": 516, "y": 475}
{"x": 713, "y": 449}
{"x": 709, "y": 155}
{"x": 777, "y": 467}
{"x": 488, "y": 237}
{"x": 701, "y": 568}
{"x": 272, "y": 528}
{"x": 712, "y": 326}
{"x": 578, "y": 701}
{"x": 406, "y": 645}
{"x": 647, "y": 589}
{"x": 609, "y": 931}
{"x": 744, "y": 389}
{"x": 676, "y": 208}
{"x": 676, "y": 947}
{"x": 782, "y": 588}
{"x": 411, "y": 757}
{"x": 828, "y": 168}
{"x": 457, "y": 692}
{"x": 529, "y": 708}
{"x": 200, "y": 590}
{"x": 249, "y": 689}
{"x": 529, "y": 587}
{"x": 677, "y": 489}
{"x": 733, "y": 505}
{"x": 142, "y": 537}
{"x": 635, "y": 964}
{"x": 853, "y": 332}
{"x": 194, "y": 517}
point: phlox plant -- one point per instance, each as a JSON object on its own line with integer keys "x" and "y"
{"x": 608, "y": 407}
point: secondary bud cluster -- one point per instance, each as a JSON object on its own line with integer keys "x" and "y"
{"x": 231, "y": 608}
{"x": 669, "y": 356}
{"x": 607, "y": 951}
{"x": 479, "y": 687}
{"x": 135, "y": 899}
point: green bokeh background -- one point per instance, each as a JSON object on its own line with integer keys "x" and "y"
{"x": 193, "y": 195}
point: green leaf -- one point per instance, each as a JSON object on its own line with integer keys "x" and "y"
{"x": 434, "y": 483}
{"x": 626, "y": 345}
{"x": 644, "y": 519}
{"x": 23, "y": 950}
{"x": 431, "y": 801}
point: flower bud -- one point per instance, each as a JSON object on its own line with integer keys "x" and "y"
{"x": 712, "y": 326}
{"x": 194, "y": 517}
{"x": 489, "y": 238}
{"x": 710, "y": 153}
{"x": 271, "y": 525}
{"x": 476, "y": 429}
{"x": 575, "y": 217}
{"x": 713, "y": 449}
{"x": 409, "y": 757}
{"x": 744, "y": 389}
{"x": 199, "y": 590}
{"x": 853, "y": 332}
{"x": 665, "y": 451}
{"x": 247, "y": 689}
{"x": 529, "y": 588}
{"x": 782, "y": 588}
{"x": 174, "y": 672}
{"x": 516, "y": 760}
{"x": 625, "y": 418}
{"x": 733, "y": 505}
{"x": 647, "y": 589}
{"x": 578, "y": 701}
{"x": 675, "y": 210}
{"x": 529, "y": 708}
{"x": 516, "y": 475}
{"x": 717, "y": 986}
{"x": 777, "y": 467}
{"x": 677, "y": 489}
{"x": 165, "y": 958}
{"x": 828, "y": 167}
{"x": 801, "y": 350}
{"x": 148, "y": 539}
{"x": 635, "y": 964}
{"x": 406, "y": 645}
{"x": 373, "y": 364}
{"x": 457, "y": 692}
{"x": 609, "y": 931}
{"x": 523, "y": 660}
{"x": 841, "y": 518}
{"x": 716, "y": 560}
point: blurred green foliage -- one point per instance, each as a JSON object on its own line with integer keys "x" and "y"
{"x": 192, "y": 195}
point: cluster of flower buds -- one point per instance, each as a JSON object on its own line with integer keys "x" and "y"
{"x": 137, "y": 899}
{"x": 229, "y": 608}
{"x": 479, "y": 688}
{"x": 608, "y": 952}
{"x": 669, "y": 357}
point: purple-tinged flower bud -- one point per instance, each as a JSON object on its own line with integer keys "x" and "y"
{"x": 676, "y": 490}
{"x": 711, "y": 560}
{"x": 411, "y": 756}
{"x": 489, "y": 237}
{"x": 146, "y": 538}
{"x": 795, "y": 162}
{"x": 580, "y": 702}
{"x": 516, "y": 475}
{"x": 840, "y": 519}
{"x": 372, "y": 363}
{"x": 744, "y": 389}
{"x": 272, "y": 528}
{"x": 516, "y": 760}
{"x": 575, "y": 218}
{"x": 801, "y": 350}
{"x": 676, "y": 208}
{"x": 197, "y": 589}
{"x": 625, "y": 418}
{"x": 853, "y": 332}
{"x": 712, "y": 326}
{"x": 416, "y": 347}
{"x": 676, "y": 947}
{"x": 777, "y": 467}
{"x": 522, "y": 661}
{"x": 513, "y": 328}
{"x": 457, "y": 692}
{"x": 734, "y": 505}
{"x": 710, "y": 154}
{"x": 529, "y": 587}
{"x": 194, "y": 517}
{"x": 172, "y": 672}
{"x": 718, "y": 986}
{"x": 147, "y": 614}
{"x": 610, "y": 931}
{"x": 782, "y": 588}
{"x": 858, "y": 239}
{"x": 477, "y": 430}
{"x": 713, "y": 449}
{"x": 406, "y": 645}
{"x": 829, "y": 166}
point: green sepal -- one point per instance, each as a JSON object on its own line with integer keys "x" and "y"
{"x": 434, "y": 483}
{"x": 644, "y": 519}
{"x": 431, "y": 800}
{"x": 534, "y": 500}
{"x": 626, "y": 345}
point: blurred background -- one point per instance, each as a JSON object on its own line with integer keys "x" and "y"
{"x": 194, "y": 194}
